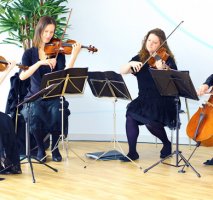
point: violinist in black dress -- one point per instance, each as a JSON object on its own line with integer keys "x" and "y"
{"x": 9, "y": 156}
{"x": 150, "y": 108}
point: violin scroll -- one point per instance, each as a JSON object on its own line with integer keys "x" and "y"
{"x": 90, "y": 48}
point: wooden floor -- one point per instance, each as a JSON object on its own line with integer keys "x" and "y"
{"x": 112, "y": 179}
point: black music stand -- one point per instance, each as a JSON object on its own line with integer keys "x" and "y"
{"x": 69, "y": 81}
{"x": 36, "y": 96}
{"x": 177, "y": 84}
{"x": 109, "y": 84}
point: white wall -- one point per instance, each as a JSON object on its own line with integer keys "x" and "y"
{"x": 116, "y": 28}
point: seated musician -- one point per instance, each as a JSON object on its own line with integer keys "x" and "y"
{"x": 201, "y": 91}
{"x": 45, "y": 114}
{"x": 9, "y": 157}
{"x": 149, "y": 108}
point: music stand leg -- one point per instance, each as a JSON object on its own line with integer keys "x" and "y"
{"x": 28, "y": 154}
{"x": 62, "y": 126}
{"x": 176, "y": 165}
{"x": 122, "y": 152}
{"x": 62, "y": 134}
{"x": 115, "y": 141}
{"x": 56, "y": 145}
{"x": 188, "y": 164}
{"x": 176, "y": 152}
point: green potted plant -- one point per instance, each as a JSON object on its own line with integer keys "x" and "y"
{"x": 18, "y": 18}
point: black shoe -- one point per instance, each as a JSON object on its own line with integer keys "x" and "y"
{"x": 166, "y": 151}
{"x": 11, "y": 170}
{"x": 5, "y": 162}
{"x": 56, "y": 156}
{"x": 134, "y": 156}
{"x": 41, "y": 157}
{"x": 16, "y": 170}
{"x": 208, "y": 162}
{"x": 7, "y": 167}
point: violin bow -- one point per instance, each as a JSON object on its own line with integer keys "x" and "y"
{"x": 62, "y": 37}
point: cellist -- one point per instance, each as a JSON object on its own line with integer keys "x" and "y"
{"x": 201, "y": 91}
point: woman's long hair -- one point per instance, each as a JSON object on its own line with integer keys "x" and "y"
{"x": 42, "y": 24}
{"x": 144, "y": 54}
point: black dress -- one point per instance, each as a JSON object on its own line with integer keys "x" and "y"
{"x": 8, "y": 147}
{"x": 150, "y": 105}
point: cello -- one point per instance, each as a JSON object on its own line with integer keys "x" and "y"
{"x": 200, "y": 126}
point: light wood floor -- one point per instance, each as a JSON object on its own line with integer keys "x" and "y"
{"x": 112, "y": 179}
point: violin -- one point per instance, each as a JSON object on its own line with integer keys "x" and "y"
{"x": 57, "y": 46}
{"x": 4, "y": 63}
{"x": 200, "y": 126}
{"x": 160, "y": 54}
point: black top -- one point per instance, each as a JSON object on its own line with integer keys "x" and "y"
{"x": 29, "y": 58}
{"x": 209, "y": 81}
{"x": 150, "y": 105}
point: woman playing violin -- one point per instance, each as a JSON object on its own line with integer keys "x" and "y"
{"x": 149, "y": 108}
{"x": 201, "y": 91}
{"x": 45, "y": 115}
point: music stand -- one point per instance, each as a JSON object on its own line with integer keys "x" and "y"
{"x": 36, "y": 96}
{"x": 69, "y": 81}
{"x": 110, "y": 84}
{"x": 176, "y": 84}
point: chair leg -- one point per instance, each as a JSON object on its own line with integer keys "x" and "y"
{"x": 156, "y": 142}
{"x": 188, "y": 117}
{"x": 172, "y": 131}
